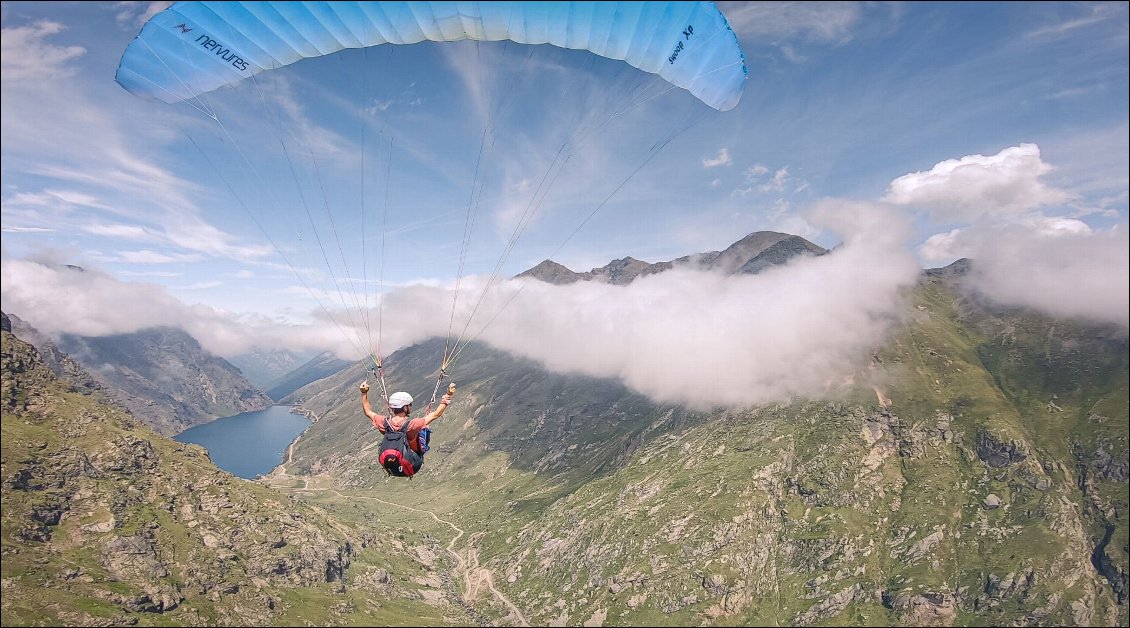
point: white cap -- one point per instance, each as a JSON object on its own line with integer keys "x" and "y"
{"x": 398, "y": 400}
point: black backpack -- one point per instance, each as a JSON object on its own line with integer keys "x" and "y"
{"x": 397, "y": 457}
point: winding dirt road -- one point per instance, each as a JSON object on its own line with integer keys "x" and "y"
{"x": 474, "y": 576}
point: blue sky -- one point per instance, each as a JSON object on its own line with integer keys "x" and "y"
{"x": 983, "y": 126}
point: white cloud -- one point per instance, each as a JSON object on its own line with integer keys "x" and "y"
{"x": 943, "y": 248}
{"x": 755, "y": 172}
{"x": 1059, "y": 266}
{"x": 723, "y": 159}
{"x": 1093, "y": 13}
{"x": 25, "y": 55}
{"x": 972, "y": 186}
{"x": 138, "y": 13}
{"x": 147, "y": 273}
{"x": 1068, "y": 274}
{"x": 777, "y": 183}
{"x": 200, "y": 285}
{"x": 57, "y": 299}
{"x": 768, "y": 21}
{"x": 90, "y": 163}
{"x": 153, "y": 257}
{"x": 763, "y": 337}
{"x": 125, "y": 232}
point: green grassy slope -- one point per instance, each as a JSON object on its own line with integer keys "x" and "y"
{"x": 976, "y": 473}
{"x": 106, "y": 522}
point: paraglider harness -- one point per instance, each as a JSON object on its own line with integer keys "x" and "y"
{"x": 397, "y": 457}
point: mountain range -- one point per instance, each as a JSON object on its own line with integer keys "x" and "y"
{"x": 263, "y": 367}
{"x": 161, "y": 375}
{"x": 984, "y": 482}
{"x": 320, "y": 366}
{"x": 108, "y": 523}
{"x": 750, "y": 255}
{"x": 978, "y": 477}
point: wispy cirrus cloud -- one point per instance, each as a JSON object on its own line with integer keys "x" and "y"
{"x": 146, "y": 256}
{"x": 26, "y": 55}
{"x": 821, "y": 21}
{"x": 1090, "y": 14}
{"x": 88, "y": 165}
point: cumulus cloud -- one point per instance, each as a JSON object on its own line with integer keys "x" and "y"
{"x": 678, "y": 337}
{"x": 976, "y": 185}
{"x": 709, "y": 340}
{"x": 1056, "y": 264}
{"x": 723, "y": 159}
{"x": 1059, "y": 266}
{"x": 694, "y": 337}
{"x": 58, "y": 299}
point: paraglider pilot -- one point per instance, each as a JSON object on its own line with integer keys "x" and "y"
{"x": 418, "y": 433}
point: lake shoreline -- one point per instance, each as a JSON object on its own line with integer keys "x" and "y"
{"x": 251, "y": 445}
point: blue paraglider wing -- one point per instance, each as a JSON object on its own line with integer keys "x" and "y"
{"x": 195, "y": 47}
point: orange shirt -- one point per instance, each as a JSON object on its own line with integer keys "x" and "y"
{"x": 414, "y": 427}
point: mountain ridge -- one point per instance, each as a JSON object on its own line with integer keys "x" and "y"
{"x": 749, "y": 255}
{"x": 980, "y": 479}
{"x": 161, "y": 375}
{"x": 106, "y": 522}
{"x": 973, "y": 471}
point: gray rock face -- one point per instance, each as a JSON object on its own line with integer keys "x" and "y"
{"x": 1111, "y": 466}
{"x": 133, "y": 558}
{"x": 991, "y": 502}
{"x": 996, "y": 453}
{"x": 160, "y": 375}
{"x": 552, "y": 272}
{"x": 925, "y": 609}
{"x": 780, "y": 253}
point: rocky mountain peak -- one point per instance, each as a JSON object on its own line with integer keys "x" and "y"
{"x": 550, "y": 271}
{"x": 741, "y": 252}
{"x": 751, "y": 254}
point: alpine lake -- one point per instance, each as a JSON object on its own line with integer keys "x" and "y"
{"x": 248, "y": 444}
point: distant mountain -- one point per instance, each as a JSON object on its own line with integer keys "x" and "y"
{"x": 752, "y": 254}
{"x": 552, "y": 272}
{"x": 322, "y": 365}
{"x": 107, "y": 523}
{"x": 265, "y": 367}
{"x": 61, "y": 364}
{"x": 161, "y": 375}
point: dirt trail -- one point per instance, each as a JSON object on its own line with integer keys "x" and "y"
{"x": 474, "y": 576}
